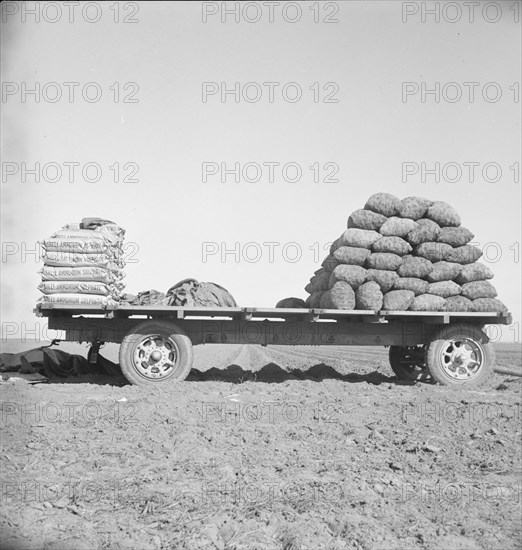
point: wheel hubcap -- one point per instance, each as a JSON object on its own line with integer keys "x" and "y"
{"x": 156, "y": 357}
{"x": 462, "y": 359}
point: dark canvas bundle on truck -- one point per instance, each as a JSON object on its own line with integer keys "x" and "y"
{"x": 191, "y": 292}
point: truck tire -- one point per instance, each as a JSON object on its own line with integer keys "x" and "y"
{"x": 460, "y": 354}
{"x": 409, "y": 363}
{"x": 156, "y": 352}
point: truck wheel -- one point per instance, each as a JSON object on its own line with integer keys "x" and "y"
{"x": 156, "y": 352}
{"x": 409, "y": 363}
{"x": 460, "y": 354}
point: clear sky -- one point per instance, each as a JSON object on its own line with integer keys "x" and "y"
{"x": 162, "y": 62}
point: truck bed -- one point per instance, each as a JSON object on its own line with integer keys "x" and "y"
{"x": 275, "y": 314}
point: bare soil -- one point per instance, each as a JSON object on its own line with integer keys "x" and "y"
{"x": 264, "y": 448}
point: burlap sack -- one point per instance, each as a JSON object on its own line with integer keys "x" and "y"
{"x": 329, "y": 263}
{"x": 354, "y": 275}
{"x": 394, "y": 245}
{"x": 414, "y": 207}
{"x": 359, "y": 238}
{"x": 369, "y": 296}
{"x": 384, "y": 279}
{"x": 290, "y": 303}
{"x": 444, "y": 289}
{"x": 340, "y": 296}
{"x": 466, "y": 254}
{"x": 351, "y": 255}
{"x": 366, "y": 219}
{"x": 458, "y": 303}
{"x": 335, "y": 245}
{"x": 383, "y": 260}
{"x": 443, "y": 214}
{"x": 489, "y": 304}
{"x": 418, "y": 286}
{"x": 479, "y": 289}
{"x": 474, "y": 272}
{"x": 455, "y": 236}
{"x": 308, "y": 301}
{"x": 315, "y": 299}
{"x": 427, "y": 231}
{"x": 397, "y": 227}
{"x": 428, "y": 302}
{"x": 434, "y": 252}
{"x": 309, "y": 288}
{"x": 444, "y": 271}
{"x": 398, "y": 300}
{"x": 320, "y": 282}
{"x": 324, "y": 302}
{"x": 383, "y": 203}
{"x": 415, "y": 266}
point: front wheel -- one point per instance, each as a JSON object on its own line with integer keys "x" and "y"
{"x": 156, "y": 352}
{"x": 409, "y": 363}
{"x": 460, "y": 354}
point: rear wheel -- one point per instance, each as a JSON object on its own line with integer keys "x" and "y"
{"x": 156, "y": 352}
{"x": 460, "y": 354}
{"x": 409, "y": 363}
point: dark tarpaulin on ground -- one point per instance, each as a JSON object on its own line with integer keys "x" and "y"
{"x": 54, "y": 362}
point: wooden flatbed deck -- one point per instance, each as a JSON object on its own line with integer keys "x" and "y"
{"x": 251, "y": 313}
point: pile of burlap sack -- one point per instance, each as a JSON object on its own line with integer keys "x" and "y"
{"x": 83, "y": 264}
{"x": 398, "y": 255}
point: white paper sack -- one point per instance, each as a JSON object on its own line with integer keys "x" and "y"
{"x": 68, "y": 259}
{"x": 86, "y": 235}
{"x": 78, "y": 299}
{"x": 76, "y": 287}
{"x": 91, "y": 246}
{"x": 99, "y": 274}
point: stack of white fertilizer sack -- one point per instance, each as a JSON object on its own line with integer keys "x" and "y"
{"x": 83, "y": 264}
{"x": 397, "y": 255}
